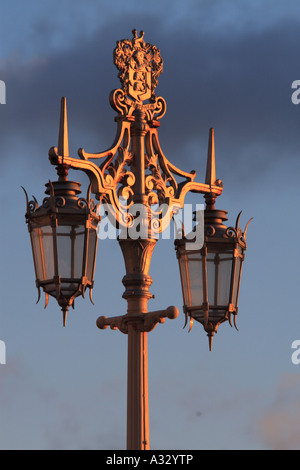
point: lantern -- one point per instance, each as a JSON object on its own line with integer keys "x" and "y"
{"x": 63, "y": 233}
{"x": 211, "y": 273}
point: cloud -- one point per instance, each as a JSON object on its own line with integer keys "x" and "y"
{"x": 236, "y": 81}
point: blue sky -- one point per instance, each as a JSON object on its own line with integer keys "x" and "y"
{"x": 227, "y": 65}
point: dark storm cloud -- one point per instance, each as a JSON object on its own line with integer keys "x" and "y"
{"x": 237, "y": 82}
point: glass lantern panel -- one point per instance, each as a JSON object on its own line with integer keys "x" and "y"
{"x": 195, "y": 279}
{"x": 64, "y": 250}
{"x": 217, "y": 315}
{"x": 184, "y": 274}
{"x": 224, "y": 278}
{"x": 70, "y": 250}
{"x": 42, "y": 246}
{"x": 37, "y": 249}
{"x": 236, "y": 280}
{"x": 68, "y": 289}
{"x": 78, "y": 252}
{"x": 47, "y": 232}
{"x": 92, "y": 248}
{"x": 211, "y": 277}
{"x": 50, "y": 288}
{"x": 219, "y": 266}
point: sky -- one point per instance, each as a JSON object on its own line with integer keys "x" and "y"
{"x": 227, "y": 65}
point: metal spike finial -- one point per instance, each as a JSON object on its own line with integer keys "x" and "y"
{"x": 64, "y": 311}
{"x": 63, "y": 140}
{"x": 211, "y": 330}
{"x": 210, "y": 177}
{"x": 210, "y": 339}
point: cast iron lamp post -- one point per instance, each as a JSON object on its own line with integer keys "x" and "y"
{"x": 133, "y": 177}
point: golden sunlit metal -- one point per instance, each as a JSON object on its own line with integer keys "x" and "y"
{"x": 63, "y": 234}
{"x": 211, "y": 271}
{"x": 134, "y": 171}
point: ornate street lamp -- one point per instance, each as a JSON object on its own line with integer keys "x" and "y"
{"x": 133, "y": 176}
{"x": 211, "y": 271}
{"x": 63, "y": 234}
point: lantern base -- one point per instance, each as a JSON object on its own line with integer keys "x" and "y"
{"x": 211, "y": 330}
{"x": 211, "y": 327}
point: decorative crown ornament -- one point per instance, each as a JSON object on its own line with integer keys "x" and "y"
{"x": 139, "y": 64}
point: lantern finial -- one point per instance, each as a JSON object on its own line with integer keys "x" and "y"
{"x": 64, "y": 311}
{"x": 210, "y": 338}
{"x": 63, "y": 140}
{"x": 210, "y": 328}
{"x": 210, "y": 177}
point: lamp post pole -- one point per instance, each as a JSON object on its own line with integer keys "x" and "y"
{"x": 137, "y": 256}
{"x": 136, "y": 324}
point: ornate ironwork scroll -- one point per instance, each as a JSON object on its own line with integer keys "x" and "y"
{"x": 135, "y": 163}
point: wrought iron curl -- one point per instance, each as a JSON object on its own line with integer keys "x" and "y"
{"x": 53, "y": 202}
{"x": 210, "y": 230}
